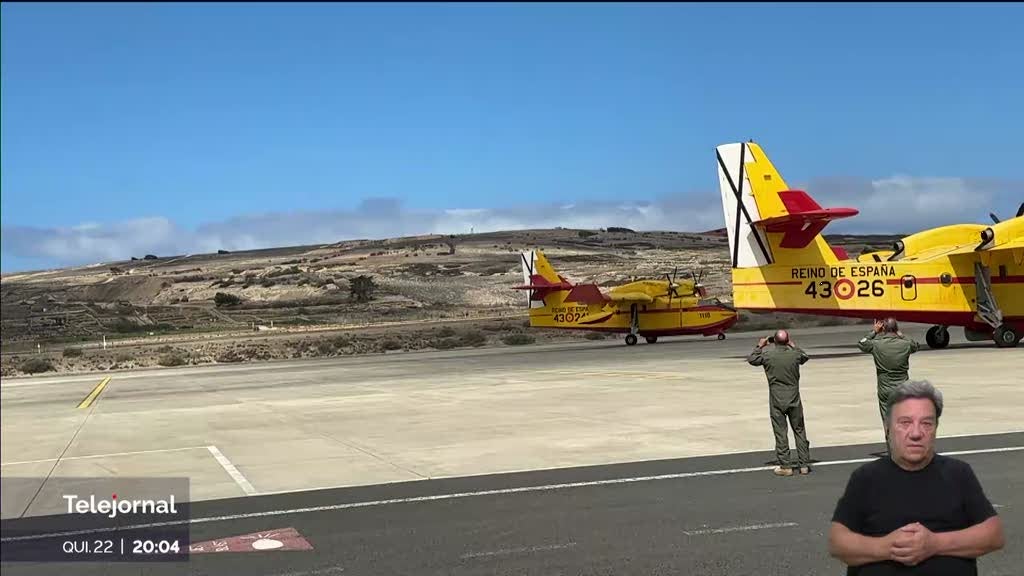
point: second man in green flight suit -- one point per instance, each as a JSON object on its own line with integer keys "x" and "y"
{"x": 891, "y": 351}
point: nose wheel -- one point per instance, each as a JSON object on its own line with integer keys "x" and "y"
{"x": 630, "y": 339}
{"x": 721, "y": 336}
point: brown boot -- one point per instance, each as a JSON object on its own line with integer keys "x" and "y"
{"x": 781, "y": 471}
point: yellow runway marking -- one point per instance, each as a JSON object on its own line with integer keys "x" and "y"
{"x": 94, "y": 394}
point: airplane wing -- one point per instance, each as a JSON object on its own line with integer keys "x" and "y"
{"x": 973, "y": 248}
{"x": 1011, "y": 245}
{"x": 631, "y": 297}
{"x": 962, "y": 239}
{"x": 963, "y": 249}
{"x": 1008, "y": 233}
{"x": 942, "y": 252}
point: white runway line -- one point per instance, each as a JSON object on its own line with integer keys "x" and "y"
{"x": 113, "y": 454}
{"x": 232, "y": 471}
{"x": 507, "y": 551}
{"x": 740, "y": 528}
{"x": 458, "y": 495}
{"x": 708, "y": 473}
{"x": 317, "y": 572}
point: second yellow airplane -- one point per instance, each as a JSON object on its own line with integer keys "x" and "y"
{"x": 648, "y": 308}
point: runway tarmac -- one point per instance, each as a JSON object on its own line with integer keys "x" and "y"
{"x": 278, "y": 436}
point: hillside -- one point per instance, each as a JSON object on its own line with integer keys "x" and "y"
{"x": 297, "y": 290}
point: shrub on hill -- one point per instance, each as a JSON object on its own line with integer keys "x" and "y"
{"x": 225, "y": 299}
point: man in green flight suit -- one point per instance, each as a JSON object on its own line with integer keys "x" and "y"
{"x": 891, "y": 351}
{"x": 782, "y": 367}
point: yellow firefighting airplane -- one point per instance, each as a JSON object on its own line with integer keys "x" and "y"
{"x": 649, "y": 308}
{"x": 967, "y": 275}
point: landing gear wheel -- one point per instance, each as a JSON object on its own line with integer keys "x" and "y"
{"x": 630, "y": 339}
{"x": 651, "y": 339}
{"x": 937, "y": 337}
{"x": 721, "y": 336}
{"x": 1006, "y": 337}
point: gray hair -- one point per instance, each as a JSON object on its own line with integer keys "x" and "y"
{"x": 916, "y": 389}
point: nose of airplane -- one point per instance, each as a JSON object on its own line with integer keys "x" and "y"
{"x": 732, "y": 314}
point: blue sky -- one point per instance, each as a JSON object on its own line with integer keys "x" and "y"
{"x": 177, "y": 128}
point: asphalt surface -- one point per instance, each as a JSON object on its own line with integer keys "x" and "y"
{"x": 713, "y": 515}
{"x": 281, "y": 426}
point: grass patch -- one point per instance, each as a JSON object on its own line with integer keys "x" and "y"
{"x": 518, "y": 339}
{"x": 230, "y": 356}
{"x": 447, "y": 343}
{"x": 473, "y": 338}
{"x": 36, "y": 366}
{"x": 172, "y": 359}
{"x": 391, "y": 344}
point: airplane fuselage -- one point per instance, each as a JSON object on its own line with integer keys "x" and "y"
{"x": 654, "y": 319}
{"x": 940, "y": 291}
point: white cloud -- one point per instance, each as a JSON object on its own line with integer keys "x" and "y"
{"x": 890, "y": 205}
{"x": 904, "y": 204}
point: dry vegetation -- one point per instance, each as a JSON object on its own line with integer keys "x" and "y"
{"x": 356, "y": 297}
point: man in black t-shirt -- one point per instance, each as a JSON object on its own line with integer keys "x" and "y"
{"x": 914, "y": 508}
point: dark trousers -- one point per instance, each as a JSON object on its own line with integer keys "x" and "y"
{"x": 794, "y": 411}
{"x": 883, "y": 410}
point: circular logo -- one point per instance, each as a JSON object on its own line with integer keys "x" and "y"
{"x": 844, "y": 289}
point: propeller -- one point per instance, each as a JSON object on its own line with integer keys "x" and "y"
{"x": 1020, "y": 212}
{"x": 672, "y": 286}
{"x": 698, "y": 288}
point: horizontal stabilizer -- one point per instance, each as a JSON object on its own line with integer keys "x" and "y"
{"x": 548, "y": 287}
{"x": 805, "y": 219}
{"x": 538, "y": 282}
{"x": 540, "y": 287}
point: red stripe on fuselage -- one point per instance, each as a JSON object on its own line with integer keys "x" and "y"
{"x": 960, "y": 280}
{"x": 965, "y": 319}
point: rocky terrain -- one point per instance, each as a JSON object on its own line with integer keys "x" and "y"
{"x": 352, "y": 297}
